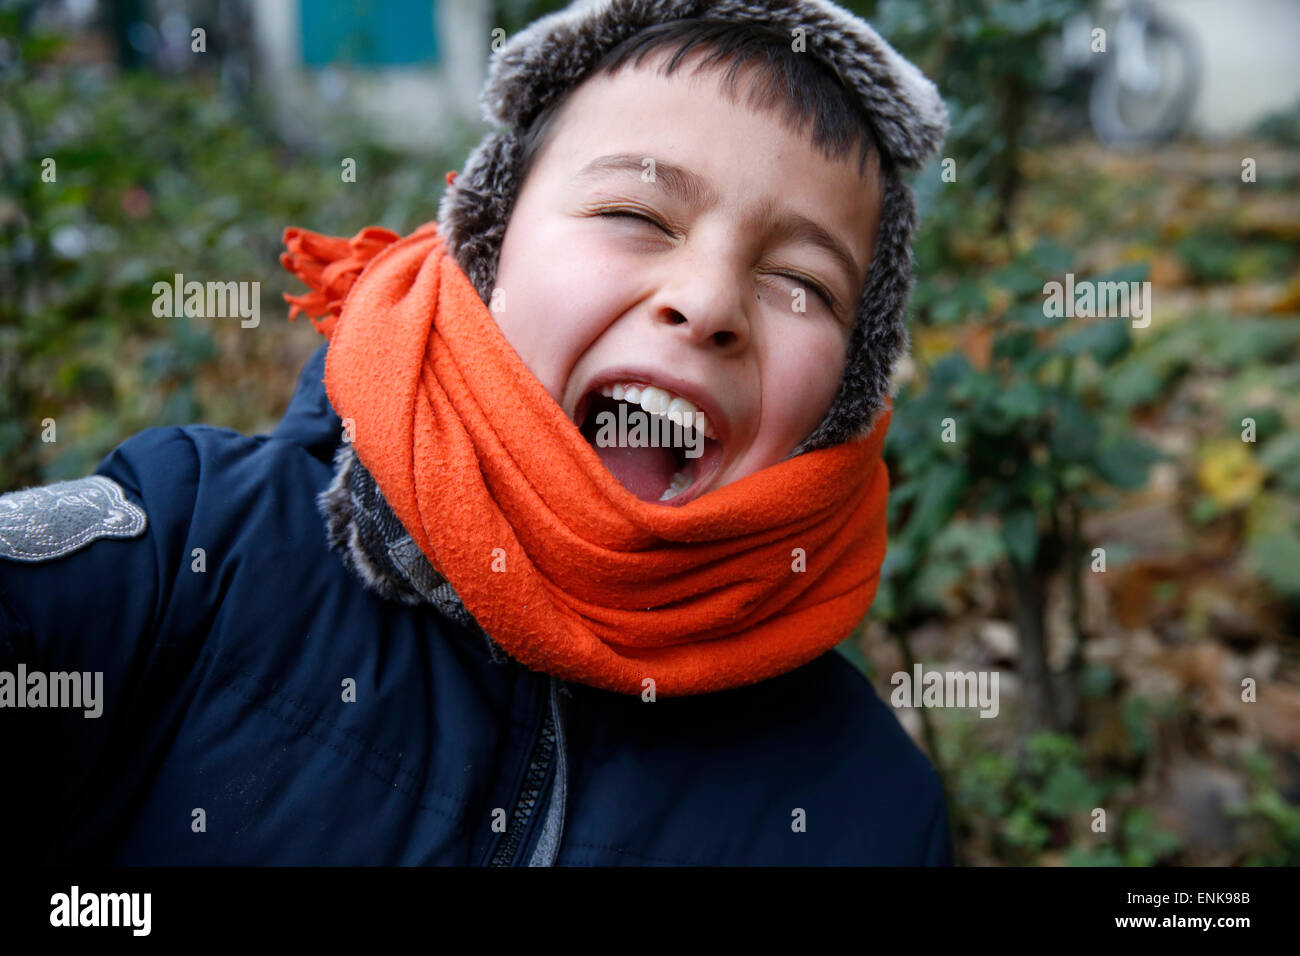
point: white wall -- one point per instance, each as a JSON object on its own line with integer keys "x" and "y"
{"x": 408, "y": 106}
{"x": 1250, "y": 60}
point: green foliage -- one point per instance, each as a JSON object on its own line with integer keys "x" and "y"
{"x": 1274, "y": 549}
{"x": 1272, "y": 824}
{"x": 1019, "y": 807}
{"x": 1030, "y": 435}
{"x": 1219, "y": 255}
{"x": 1038, "y": 428}
{"x": 513, "y": 15}
{"x": 988, "y": 58}
{"x": 154, "y": 176}
{"x": 1282, "y": 127}
{"x": 1140, "y": 843}
{"x": 1136, "y": 717}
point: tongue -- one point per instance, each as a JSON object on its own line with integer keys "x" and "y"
{"x": 646, "y": 472}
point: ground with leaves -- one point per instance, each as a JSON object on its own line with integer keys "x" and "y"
{"x": 1201, "y": 588}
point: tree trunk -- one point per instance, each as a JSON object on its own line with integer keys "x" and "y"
{"x": 1042, "y": 710}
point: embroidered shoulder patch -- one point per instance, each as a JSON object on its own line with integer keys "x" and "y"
{"x": 40, "y": 524}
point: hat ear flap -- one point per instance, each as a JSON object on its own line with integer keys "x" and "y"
{"x": 476, "y": 207}
{"x": 879, "y": 336}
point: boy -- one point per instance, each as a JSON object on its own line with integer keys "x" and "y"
{"x": 550, "y": 640}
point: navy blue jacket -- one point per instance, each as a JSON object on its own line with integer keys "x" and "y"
{"x": 225, "y": 737}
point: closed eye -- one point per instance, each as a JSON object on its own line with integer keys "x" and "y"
{"x": 818, "y": 290}
{"x": 630, "y": 214}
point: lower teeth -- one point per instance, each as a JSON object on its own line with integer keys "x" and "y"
{"x": 675, "y": 487}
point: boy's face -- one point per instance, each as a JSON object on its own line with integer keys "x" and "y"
{"x": 705, "y": 308}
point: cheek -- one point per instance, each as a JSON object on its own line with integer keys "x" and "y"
{"x": 801, "y": 376}
{"x": 557, "y": 295}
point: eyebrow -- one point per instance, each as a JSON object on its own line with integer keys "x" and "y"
{"x": 694, "y": 190}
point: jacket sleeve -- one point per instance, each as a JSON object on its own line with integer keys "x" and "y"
{"x": 75, "y": 599}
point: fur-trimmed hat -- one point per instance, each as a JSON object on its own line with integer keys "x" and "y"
{"x": 558, "y": 51}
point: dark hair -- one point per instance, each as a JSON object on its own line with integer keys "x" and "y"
{"x": 798, "y": 83}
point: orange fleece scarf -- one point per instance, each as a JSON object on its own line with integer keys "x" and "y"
{"x": 566, "y": 569}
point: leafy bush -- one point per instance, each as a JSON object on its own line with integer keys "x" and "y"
{"x": 155, "y": 176}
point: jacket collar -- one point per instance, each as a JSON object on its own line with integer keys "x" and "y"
{"x": 359, "y": 523}
{"x": 310, "y": 420}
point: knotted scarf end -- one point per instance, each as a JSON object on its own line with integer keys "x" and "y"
{"x": 330, "y": 265}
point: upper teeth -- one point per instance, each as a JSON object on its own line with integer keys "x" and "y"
{"x": 658, "y": 401}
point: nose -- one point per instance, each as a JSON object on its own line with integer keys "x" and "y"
{"x": 706, "y": 303}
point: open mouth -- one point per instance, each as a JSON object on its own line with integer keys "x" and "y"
{"x": 658, "y": 445}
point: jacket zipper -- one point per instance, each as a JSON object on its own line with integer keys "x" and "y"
{"x": 529, "y": 794}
